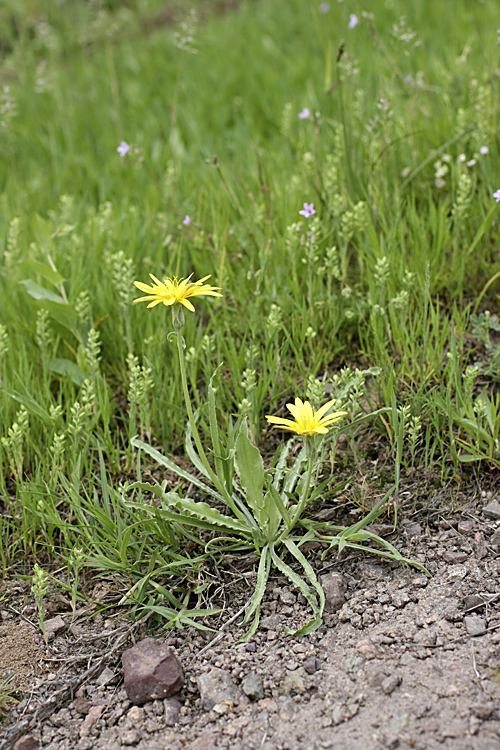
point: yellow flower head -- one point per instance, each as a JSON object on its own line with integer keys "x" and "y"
{"x": 307, "y": 421}
{"x": 175, "y": 291}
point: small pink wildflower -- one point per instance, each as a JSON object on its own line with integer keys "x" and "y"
{"x": 308, "y": 210}
{"x": 484, "y": 150}
{"x": 353, "y": 20}
{"x": 123, "y": 148}
{"x": 496, "y": 196}
{"x": 187, "y": 220}
{"x": 305, "y": 114}
{"x": 471, "y": 163}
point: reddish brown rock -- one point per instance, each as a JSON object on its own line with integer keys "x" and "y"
{"x": 151, "y": 671}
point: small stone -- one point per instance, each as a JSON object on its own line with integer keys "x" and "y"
{"x": 368, "y": 649}
{"x": 495, "y": 539}
{"x": 287, "y": 597}
{"x": 475, "y": 625}
{"x": 334, "y": 586}
{"x": 420, "y": 582}
{"x": 455, "y": 558}
{"x": 93, "y": 715}
{"x": 492, "y": 510}
{"x": 473, "y": 601}
{"x": 270, "y": 623}
{"x": 413, "y": 529}
{"x": 252, "y": 686}
{"x": 81, "y": 705}
{"x": 172, "y": 709}
{"x": 390, "y": 683}
{"x": 54, "y": 625}
{"x": 151, "y": 671}
{"x": 251, "y": 647}
{"x": 339, "y": 713}
{"x": 28, "y": 742}
{"x": 215, "y": 687}
{"x": 105, "y": 677}
{"x": 222, "y": 708}
{"x": 135, "y": 715}
{"x": 130, "y": 737}
{"x": 311, "y": 665}
{"x": 293, "y": 684}
{"x": 464, "y": 527}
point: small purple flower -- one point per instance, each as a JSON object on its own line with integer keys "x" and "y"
{"x": 353, "y": 20}
{"x": 305, "y": 114}
{"x": 123, "y": 148}
{"x": 471, "y": 163}
{"x": 324, "y": 7}
{"x": 496, "y": 196}
{"x": 308, "y": 209}
{"x": 186, "y": 220}
{"x": 484, "y": 150}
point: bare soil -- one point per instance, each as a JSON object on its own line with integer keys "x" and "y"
{"x": 406, "y": 662}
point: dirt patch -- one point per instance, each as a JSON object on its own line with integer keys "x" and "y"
{"x": 404, "y": 662}
{"x": 20, "y": 653}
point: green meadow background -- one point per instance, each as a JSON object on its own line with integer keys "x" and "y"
{"x": 394, "y": 277}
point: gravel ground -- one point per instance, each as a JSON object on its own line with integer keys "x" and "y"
{"x": 404, "y": 662}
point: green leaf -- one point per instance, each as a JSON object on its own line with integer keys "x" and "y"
{"x": 42, "y": 232}
{"x": 250, "y": 468}
{"x": 273, "y": 514}
{"x": 214, "y": 433}
{"x": 260, "y": 588}
{"x": 164, "y": 461}
{"x": 191, "y": 452}
{"x": 304, "y": 589}
{"x": 42, "y": 270}
{"x": 191, "y": 512}
{"x": 68, "y": 369}
{"x": 39, "y": 292}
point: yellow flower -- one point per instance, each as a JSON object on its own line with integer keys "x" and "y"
{"x": 174, "y": 291}
{"x": 307, "y": 422}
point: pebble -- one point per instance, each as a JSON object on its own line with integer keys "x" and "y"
{"x": 475, "y": 625}
{"x": 455, "y": 558}
{"x": 390, "y": 683}
{"x": 495, "y": 539}
{"x": 492, "y": 510}
{"x": 151, "y": 670}
{"x": 252, "y": 686}
{"x": 215, "y": 687}
{"x": 334, "y": 585}
{"x": 293, "y": 684}
{"x": 473, "y": 600}
{"x": 54, "y": 625}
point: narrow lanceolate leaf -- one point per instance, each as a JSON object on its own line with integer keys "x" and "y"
{"x": 254, "y": 608}
{"x": 191, "y": 452}
{"x": 296, "y": 552}
{"x": 304, "y": 589}
{"x": 214, "y": 433}
{"x": 191, "y": 512}
{"x": 164, "y": 461}
{"x": 250, "y": 468}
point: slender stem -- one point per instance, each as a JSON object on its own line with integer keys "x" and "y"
{"x": 201, "y": 452}
{"x": 305, "y": 495}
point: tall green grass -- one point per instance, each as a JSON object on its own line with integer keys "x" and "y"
{"x": 385, "y": 274}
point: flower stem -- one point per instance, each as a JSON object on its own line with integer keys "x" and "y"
{"x": 305, "y": 495}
